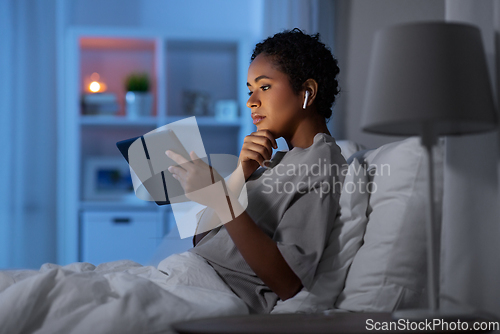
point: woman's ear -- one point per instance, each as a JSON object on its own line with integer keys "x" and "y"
{"x": 310, "y": 86}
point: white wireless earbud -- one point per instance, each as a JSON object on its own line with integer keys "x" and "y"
{"x": 305, "y": 100}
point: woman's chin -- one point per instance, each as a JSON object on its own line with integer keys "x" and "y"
{"x": 262, "y": 127}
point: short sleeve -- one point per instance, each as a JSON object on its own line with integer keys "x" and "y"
{"x": 303, "y": 231}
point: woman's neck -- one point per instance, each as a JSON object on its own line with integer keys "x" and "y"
{"x": 303, "y": 135}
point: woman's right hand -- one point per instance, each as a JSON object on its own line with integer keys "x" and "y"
{"x": 257, "y": 148}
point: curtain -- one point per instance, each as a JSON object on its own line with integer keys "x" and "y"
{"x": 470, "y": 268}
{"x": 28, "y": 133}
{"x": 288, "y": 14}
{"x": 5, "y": 131}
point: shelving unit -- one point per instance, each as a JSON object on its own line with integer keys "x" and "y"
{"x": 213, "y": 66}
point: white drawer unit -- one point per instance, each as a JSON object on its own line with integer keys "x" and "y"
{"x": 117, "y": 235}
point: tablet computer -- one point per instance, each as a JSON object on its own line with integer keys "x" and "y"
{"x": 146, "y": 156}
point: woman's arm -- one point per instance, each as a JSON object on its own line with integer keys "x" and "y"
{"x": 234, "y": 184}
{"x": 256, "y": 149}
{"x": 207, "y": 215}
{"x": 263, "y": 256}
{"x": 259, "y": 251}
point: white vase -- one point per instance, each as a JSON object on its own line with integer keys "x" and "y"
{"x": 139, "y": 104}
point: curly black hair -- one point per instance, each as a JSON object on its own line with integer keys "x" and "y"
{"x": 301, "y": 57}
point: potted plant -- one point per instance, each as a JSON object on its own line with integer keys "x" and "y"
{"x": 139, "y": 101}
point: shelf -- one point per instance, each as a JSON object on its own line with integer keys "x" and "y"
{"x": 182, "y": 70}
{"x": 207, "y": 121}
{"x": 121, "y": 121}
{"x": 118, "y": 205}
{"x": 114, "y": 59}
{"x": 201, "y": 71}
{"x": 115, "y": 43}
{"x": 117, "y": 121}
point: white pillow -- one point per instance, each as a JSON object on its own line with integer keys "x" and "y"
{"x": 389, "y": 270}
{"x": 343, "y": 243}
{"x": 348, "y": 147}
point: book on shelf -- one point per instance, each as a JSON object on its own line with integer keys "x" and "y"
{"x": 99, "y": 104}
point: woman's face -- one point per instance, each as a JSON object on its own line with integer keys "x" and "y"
{"x": 273, "y": 103}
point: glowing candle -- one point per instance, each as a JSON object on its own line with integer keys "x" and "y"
{"x": 94, "y": 86}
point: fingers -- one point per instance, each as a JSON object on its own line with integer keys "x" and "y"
{"x": 267, "y": 134}
{"x": 260, "y": 139}
{"x": 177, "y": 172}
{"x": 252, "y": 155}
{"x": 256, "y": 152}
{"x": 193, "y": 175}
{"x": 258, "y": 146}
{"x": 176, "y": 157}
{"x": 196, "y": 160}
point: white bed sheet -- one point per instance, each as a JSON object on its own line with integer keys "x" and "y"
{"x": 114, "y": 297}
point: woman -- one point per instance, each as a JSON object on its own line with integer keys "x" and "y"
{"x": 271, "y": 249}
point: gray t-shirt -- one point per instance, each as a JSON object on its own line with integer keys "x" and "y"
{"x": 294, "y": 202}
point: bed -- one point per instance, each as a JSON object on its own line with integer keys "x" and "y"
{"x": 374, "y": 262}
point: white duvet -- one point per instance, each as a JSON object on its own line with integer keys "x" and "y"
{"x": 114, "y": 297}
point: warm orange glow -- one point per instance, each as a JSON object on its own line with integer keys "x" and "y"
{"x": 95, "y": 76}
{"x": 94, "y": 83}
{"x": 94, "y": 87}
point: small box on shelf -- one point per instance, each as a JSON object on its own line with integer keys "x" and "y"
{"x": 99, "y": 104}
{"x": 226, "y": 110}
